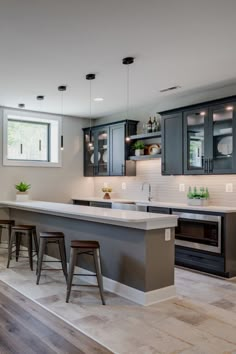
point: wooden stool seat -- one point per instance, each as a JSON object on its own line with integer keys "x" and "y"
{"x": 51, "y": 237}
{"x": 7, "y": 222}
{"x": 85, "y": 244}
{"x": 28, "y": 232}
{"x": 51, "y": 234}
{"x": 23, "y": 227}
{"x": 91, "y": 248}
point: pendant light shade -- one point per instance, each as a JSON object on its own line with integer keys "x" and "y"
{"x": 40, "y": 99}
{"x": 62, "y": 89}
{"x": 127, "y": 61}
{"x": 90, "y": 77}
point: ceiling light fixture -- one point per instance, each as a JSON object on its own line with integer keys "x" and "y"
{"x": 202, "y": 113}
{"x": 40, "y": 99}
{"x": 98, "y": 99}
{"x": 229, "y": 108}
{"x": 127, "y": 61}
{"x": 21, "y": 105}
{"x": 90, "y": 77}
{"x": 62, "y": 89}
{"x": 170, "y": 88}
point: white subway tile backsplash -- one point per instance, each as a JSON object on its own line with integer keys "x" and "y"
{"x": 166, "y": 188}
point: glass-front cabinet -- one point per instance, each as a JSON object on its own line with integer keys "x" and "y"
{"x": 222, "y": 144}
{"x": 96, "y": 152}
{"x": 209, "y": 140}
{"x": 195, "y": 141}
{"x": 106, "y": 149}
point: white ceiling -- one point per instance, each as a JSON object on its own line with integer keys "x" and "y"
{"x": 47, "y": 43}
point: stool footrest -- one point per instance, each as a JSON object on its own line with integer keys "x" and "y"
{"x": 92, "y": 285}
{"x": 85, "y": 275}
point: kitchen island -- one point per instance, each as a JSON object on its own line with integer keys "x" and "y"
{"x": 137, "y": 248}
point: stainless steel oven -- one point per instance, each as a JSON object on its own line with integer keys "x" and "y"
{"x": 198, "y": 231}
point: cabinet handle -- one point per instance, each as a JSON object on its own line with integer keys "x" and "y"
{"x": 122, "y": 170}
{"x": 163, "y": 166}
{"x": 210, "y": 165}
{"x": 206, "y": 165}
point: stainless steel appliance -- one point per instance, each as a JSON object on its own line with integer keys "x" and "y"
{"x": 198, "y": 231}
{"x": 129, "y": 206}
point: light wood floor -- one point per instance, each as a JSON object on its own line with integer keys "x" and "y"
{"x": 27, "y": 328}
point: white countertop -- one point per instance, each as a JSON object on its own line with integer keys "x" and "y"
{"x": 132, "y": 219}
{"x": 211, "y": 208}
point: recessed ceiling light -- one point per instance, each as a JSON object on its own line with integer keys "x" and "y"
{"x": 170, "y": 88}
{"x": 202, "y": 113}
{"x": 229, "y": 108}
{"x": 98, "y": 99}
{"x": 21, "y": 105}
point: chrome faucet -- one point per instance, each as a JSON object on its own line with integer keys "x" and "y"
{"x": 149, "y": 190}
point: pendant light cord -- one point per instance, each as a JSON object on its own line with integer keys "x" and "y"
{"x": 90, "y": 102}
{"x": 127, "y": 98}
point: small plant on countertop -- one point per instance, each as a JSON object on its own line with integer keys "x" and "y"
{"x": 22, "y": 187}
{"x": 195, "y": 194}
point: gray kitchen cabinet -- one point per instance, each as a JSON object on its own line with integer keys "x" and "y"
{"x": 172, "y": 144}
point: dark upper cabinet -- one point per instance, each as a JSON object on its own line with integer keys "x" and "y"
{"x": 172, "y": 144}
{"x": 108, "y": 154}
{"x": 196, "y": 141}
{"x": 222, "y": 138}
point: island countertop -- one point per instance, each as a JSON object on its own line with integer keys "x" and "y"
{"x": 126, "y": 218}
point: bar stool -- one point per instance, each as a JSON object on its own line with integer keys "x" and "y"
{"x": 6, "y": 224}
{"x": 44, "y": 239}
{"x": 29, "y": 231}
{"x": 91, "y": 248}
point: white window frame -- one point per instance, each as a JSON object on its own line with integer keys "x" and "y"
{"x": 31, "y": 116}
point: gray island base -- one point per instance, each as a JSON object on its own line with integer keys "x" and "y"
{"x": 137, "y": 263}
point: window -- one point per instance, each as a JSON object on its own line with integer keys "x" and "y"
{"x": 31, "y": 139}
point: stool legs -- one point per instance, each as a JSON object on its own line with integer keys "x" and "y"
{"x": 42, "y": 248}
{"x": 97, "y": 262}
{"x": 62, "y": 250}
{"x": 10, "y": 247}
{"x": 73, "y": 257}
{"x": 18, "y": 241}
{"x": 0, "y": 234}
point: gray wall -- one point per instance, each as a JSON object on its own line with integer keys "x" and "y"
{"x": 51, "y": 184}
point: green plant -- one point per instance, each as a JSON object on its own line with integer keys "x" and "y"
{"x": 138, "y": 145}
{"x": 22, "y": 187}
{"x": 195, "y": 194}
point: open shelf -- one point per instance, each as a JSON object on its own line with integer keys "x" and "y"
{"x": 145, "y": 157}
{"x": 146, "y": 136}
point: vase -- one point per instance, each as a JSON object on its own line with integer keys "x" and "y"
{"x": 139, "y": 152}
{"x": 22, "y": 196}
{"x": 106, "y": 196}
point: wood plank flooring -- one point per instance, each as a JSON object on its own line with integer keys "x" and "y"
{"x": 27, "y": 328}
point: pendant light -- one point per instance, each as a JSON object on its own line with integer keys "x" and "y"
{"x": 90, "y": 77}
{"x": 127, "y": 61}
{"x": 40, "y": 98}
{"x": 62, "y": 89}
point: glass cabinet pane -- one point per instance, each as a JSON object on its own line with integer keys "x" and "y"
{"x": 89, "y": 164}
{"x": 195, "y": 140}
{"x": 222, "y": 119}
{"x": 102, "y": 151}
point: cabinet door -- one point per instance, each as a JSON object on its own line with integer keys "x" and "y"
{"x": 89, "y": 163}
{"x": 172, "y": 144}
{"x": 101, "y": 151}
{"x": 222, "y": 142}
{"x": 117, "y": 150}
{"x": 196, "y": 142}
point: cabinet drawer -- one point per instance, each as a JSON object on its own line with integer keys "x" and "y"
{"x": 100, "y": 204}
{"x": 159, "y": 210}
{"x": 199, "y": 260}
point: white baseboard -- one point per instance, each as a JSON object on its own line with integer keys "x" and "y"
{"x": 135, "y": 295}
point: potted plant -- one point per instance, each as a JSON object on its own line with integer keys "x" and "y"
{"x": 138, "y": 147}
{"x": 22, "y": 194}
{"x": 198, "y": 197}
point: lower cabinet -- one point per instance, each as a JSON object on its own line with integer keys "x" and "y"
{"x": 202, "y": 261}
{"x": 92, "y": 203}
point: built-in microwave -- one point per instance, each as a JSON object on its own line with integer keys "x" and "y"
{"x": 198, "y": 231}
